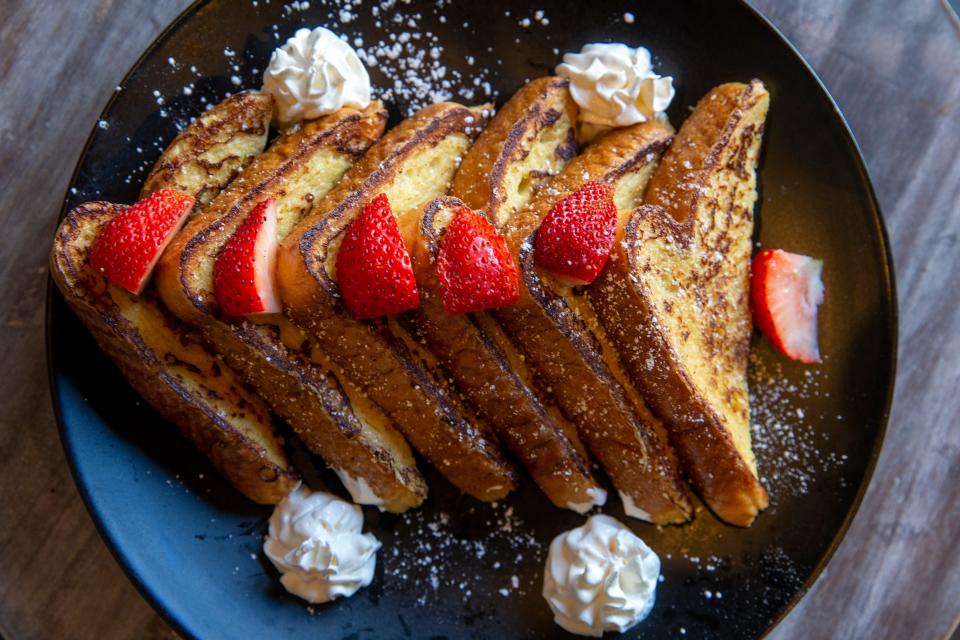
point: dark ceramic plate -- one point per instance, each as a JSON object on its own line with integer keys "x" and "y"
{"x": 458, "y": 568}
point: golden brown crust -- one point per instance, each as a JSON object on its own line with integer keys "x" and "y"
{"x": 297, "y": 170}
{"x": 184, "y": 382}
{"x": 529, "y": 139}
{"x": 676, "y": 185}
{"x": 183, "y": 273}
{"x": 214, "y": 148}
{"x": 492, "y": 387}
{"x": 311, "y": 399}
{"x": 377, "y": 356}
{"x": 664, "y": 239}
{"x": 485, "y": 181}
{"x": 554, "y": 327}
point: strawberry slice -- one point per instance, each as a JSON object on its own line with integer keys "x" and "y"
{"x": 474, "y": 266}
{"x": 373, "y": 267}
{"x": 129, "y": 245}
{"x": 574, "y": 240}
{"x": 786, "y": 289}
{"x": 243, "y": 274}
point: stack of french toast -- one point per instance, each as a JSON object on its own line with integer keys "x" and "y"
{"x": 639, "y": 366}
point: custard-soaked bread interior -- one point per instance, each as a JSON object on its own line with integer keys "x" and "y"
{"x": 556, "y": 329}
{"x": 528, "y": 140}
{"x": 374, "y": 462}
{"x": 298, "y": 169}
{"x": 214, "y": 148}
{"x": 169, "y": 367}
{"x": 413, "y": 164}
{"x": 531, "y": 138}
{"x": 675, "y": 295}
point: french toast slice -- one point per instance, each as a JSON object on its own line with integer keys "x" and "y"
{"x": 335, "y": 421}
{"x": 674, "y": 295}
{"x": 413, "y": 164}
{"x": 493, "y": 380}
{"x": 530, "y": 138}
{"x": 214, "y": 148}
{"x": 169, "y": 366}
{"x": 556, "y": 329}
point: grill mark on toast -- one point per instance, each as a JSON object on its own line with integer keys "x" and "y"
{"x": 542, "y": 120}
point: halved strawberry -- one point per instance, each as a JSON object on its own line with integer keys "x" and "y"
{"x": 129, "y": 245}
{"x": 373, "y": 267}
{"x": 243, "y": 274}
{"x": 475, "y": 268}
{"x": 574, "y": 240}
{"x": 786, "y": 289}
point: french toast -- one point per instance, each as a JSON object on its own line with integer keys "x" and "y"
{"x": 274, "y": 356}
{"x": 413, "y": 164}
{"x": 169, "y": 366}
{"x": 529, "y": 139}
{"x": 554, "y": 326}
{"x": 159, "y": 356}
{"x": 212, "y": 150}
{"x": 674, "y": 296}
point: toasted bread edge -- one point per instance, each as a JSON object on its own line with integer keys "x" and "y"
{"x": 264, "y": 477}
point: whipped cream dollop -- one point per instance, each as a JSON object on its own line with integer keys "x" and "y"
{"x": 600, "y": 577}
{"x": 615, "y": 85}
{"x": 313, "y": 74}
{"x": 597, "y": 498}
{"x": 316, "y": 542}
{"x": 360, "y": 491}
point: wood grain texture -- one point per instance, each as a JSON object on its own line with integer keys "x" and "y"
{"x": 893, "y": 67}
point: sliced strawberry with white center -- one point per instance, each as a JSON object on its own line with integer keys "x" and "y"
{"x": 243, "y": 276}
{"x": 786, "y": 290}
{"x": 474, "y": 266}
{"x": 374, "y": 273}
{"x": 574, "y": 240}
{"x": 129, "y": 245}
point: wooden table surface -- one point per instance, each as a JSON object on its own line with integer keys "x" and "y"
{"x": 894, "y": 68}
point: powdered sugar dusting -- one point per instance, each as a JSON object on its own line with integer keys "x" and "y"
{"x": 435, "y": 555}
{"x": 413, "y": 62}
{"x": 409, "y": 63}
{"x": 790, "y": 452}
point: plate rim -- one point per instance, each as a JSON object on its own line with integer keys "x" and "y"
{"x": 887, "y": 278}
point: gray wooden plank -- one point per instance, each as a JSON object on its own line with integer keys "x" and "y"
{"x": 58, "y": 65}
{"x": 893, "y": 67}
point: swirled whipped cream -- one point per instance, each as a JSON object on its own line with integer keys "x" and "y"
{"x": 316, "y": 542}
{"x": 615, "y": 85}
{"x": 313, "y": 74}
{"x": 600, "y": 577}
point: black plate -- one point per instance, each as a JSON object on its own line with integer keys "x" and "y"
{"x": 458, "y": 568}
